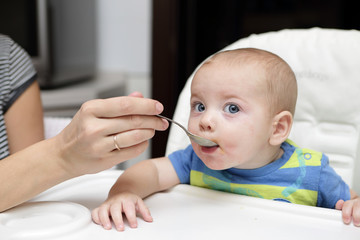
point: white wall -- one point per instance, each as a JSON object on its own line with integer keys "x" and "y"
{"x": 124, "y": 45}
{"x": 124, "y": 29}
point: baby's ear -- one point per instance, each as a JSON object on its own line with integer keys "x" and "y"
{"x": 281, "y": 127}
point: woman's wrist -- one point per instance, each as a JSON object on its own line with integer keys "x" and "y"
{"x": 57, "y": 156}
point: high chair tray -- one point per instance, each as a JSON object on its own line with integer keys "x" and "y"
{"x": 184, "y": 212}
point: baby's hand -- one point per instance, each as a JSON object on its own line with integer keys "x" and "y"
{"x": 114, "y": 206}
{"x": 350, "y": 208}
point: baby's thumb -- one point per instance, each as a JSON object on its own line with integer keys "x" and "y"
{"x": 339, "y": 205}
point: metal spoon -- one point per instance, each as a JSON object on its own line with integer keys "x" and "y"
{"x": 199, "y": 140}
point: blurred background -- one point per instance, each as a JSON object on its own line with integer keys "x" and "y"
{"x": 85, "y": 49}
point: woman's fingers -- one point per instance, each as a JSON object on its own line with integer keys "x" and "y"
{"x": 100, "y": 137}
{"x": 110, "y": 126}
{"x": 87, "y": 144}
{"x": 133, "y": 137}
{"x": 129, "y": 152}
{"x": 122, "y": 106}
{"x": 125, "y": 140}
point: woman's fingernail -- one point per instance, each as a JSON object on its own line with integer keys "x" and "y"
{"x": 159, "y": 107}
{"x": 165, "y": 123}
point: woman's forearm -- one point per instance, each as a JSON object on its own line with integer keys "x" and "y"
{"x": 27, "y": 173}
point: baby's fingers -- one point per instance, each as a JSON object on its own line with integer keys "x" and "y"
{"x": 130, "y": 212}
{"x": 356, "y": 213}
{"x": 347, "y": 211}
{"x": 144, "y": 211}
{"x": 351, "y": 209}
{"x": 116, "y": 215}
{"x": 339, "y": 204}
{"x": 95, "y": 216}
{"x": 104, "y": 219}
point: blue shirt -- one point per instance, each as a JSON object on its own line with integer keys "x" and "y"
{"x": 299, "y": 176}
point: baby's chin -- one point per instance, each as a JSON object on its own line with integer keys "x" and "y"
{"x": 212, "y": 161}
{"x": 214, "y": 165}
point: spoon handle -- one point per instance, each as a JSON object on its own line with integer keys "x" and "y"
{"x": 199, "y": 140}
{"x": 170, "y": 120}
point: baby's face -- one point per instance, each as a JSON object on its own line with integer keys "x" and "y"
{"x": 230, "y": 108}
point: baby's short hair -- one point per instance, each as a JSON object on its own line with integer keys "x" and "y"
{"x": 280, "y": 78}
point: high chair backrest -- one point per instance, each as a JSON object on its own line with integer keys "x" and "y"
{"x": 327, "y": 118}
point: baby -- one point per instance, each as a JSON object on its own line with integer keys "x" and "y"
{"x": 244, "y": 100}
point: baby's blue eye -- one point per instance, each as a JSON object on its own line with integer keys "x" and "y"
{"x": 199, "y": 107}
{"x": 232, "y": 108}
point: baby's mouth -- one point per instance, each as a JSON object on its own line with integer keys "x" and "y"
{"x": 209, "y": 149}
{"x": 202, "y": 141}
{"x": 214, "y": 144}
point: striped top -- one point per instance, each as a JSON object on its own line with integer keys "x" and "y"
{"x": 300, "y": 176}
{"x": 16, "y": 75}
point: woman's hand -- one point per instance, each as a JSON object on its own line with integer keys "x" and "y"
{"x": 114, "y": 206}
{"x": 87, "y": 145}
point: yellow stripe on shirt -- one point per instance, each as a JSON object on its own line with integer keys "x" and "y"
{"x": 300, "y": 196}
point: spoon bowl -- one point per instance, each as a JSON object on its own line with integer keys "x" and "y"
{"x": 199, "y": 140}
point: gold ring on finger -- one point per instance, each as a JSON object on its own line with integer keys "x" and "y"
{"x": 115, "y": 143}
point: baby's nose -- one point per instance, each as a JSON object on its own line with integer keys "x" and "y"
{"x": 207, "y": 123}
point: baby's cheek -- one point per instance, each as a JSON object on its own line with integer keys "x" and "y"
{"x": 231, "y": 145}
{"x": 235, "y": 143}
{"x": 191, "y": 127}
{"x": 233, "y": 136}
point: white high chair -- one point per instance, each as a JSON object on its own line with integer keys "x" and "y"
{"x": 327, "y": 66}
{"x": 327, "y": 118}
